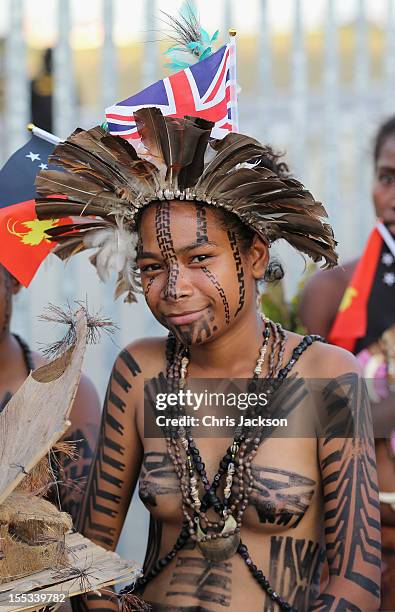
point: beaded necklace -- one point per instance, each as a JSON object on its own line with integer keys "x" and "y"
{"x": 241, "y": 453}
{"x": 217, "y": 540}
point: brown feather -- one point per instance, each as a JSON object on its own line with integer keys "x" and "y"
{"x": 98, "y": 142}
{"x": 174, "y": 144}
{"x": 81, "y": 227}
{"x": 79, "y": 161}
{"x": 69, "y": 248}
{"x": 237, "y": 153}
{"x": 68, "y": 184}
{"x": 245, "y": 185}
{"x": 196, "y": 137}
{"x": 313, "y": 247}
{"x": 109, "y": 154}
{"x": 150, "y": 123}
{"x": 52, "y": 208}
{"x": 227, "y": 151}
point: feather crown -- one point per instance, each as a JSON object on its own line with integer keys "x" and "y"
{"x": 105, "y": 179}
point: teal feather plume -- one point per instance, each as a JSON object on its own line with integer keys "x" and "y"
{"x": 192, "y": 42}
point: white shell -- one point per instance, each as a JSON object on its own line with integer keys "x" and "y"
{"x": 221, "y": 548}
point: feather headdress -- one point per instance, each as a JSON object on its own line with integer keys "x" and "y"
{"x": 103, "y": 178}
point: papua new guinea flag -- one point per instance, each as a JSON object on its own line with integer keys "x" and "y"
{"x": 351, "y": 319}
{"x": 23, "y": 242}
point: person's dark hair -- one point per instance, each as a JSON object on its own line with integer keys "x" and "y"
{"x": 385, "y": 130}
{"x": 47, "y": 61}
{"x": 270, "y": 160}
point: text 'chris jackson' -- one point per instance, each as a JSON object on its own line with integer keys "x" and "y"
{"x": 212, "y": 421}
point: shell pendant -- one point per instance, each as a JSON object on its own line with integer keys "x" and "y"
{"x": 221, "y": 548}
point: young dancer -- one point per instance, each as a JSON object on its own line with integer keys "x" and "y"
{"x": 354, "y": 306}
{"x": 245, "y": 521}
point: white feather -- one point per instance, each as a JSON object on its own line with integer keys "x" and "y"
{"x": 116, "y": 252}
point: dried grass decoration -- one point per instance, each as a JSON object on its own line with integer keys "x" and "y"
{"x": 38, "y": 554}
{"x": 32, "y": 530}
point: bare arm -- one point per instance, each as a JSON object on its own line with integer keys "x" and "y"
{"x": 351, "y": 505}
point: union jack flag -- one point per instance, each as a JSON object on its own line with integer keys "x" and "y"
{"x": 202, "y": 90}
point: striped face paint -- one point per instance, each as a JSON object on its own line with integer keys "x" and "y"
{"x": 192, "y": 270}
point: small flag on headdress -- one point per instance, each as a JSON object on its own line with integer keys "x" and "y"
{"x": 23, "y": 243}
{"x": 201, "y": 90}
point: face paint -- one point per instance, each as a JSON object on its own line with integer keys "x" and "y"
{"x": 201, "y": 221}
{"x": 165, "y": 242}
{"x": 205, "y": 330}
{"x": 140, "y": 249}
{"x": 239, "y": 270}
{"x": 197, "y": 332}
{"x": 201, "y": 330}
{"x": 148, "y": 287}
{"x": 185, "y": 268}
{"x": 221, "y": 292}
{"x": 140, "y": 246}
{"x": 202, "y": 237}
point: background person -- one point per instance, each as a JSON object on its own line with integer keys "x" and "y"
{"x": 353, "y": 305}
{"x": 41, "y": 93}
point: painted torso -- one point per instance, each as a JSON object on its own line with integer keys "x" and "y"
{"x": 282, "y": 528}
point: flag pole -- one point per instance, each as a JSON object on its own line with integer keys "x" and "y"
{"x": 40, "y": 133}
{"x": 233, "y": 79}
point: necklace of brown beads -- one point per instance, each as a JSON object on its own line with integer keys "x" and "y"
{"x": 219, "y": 540}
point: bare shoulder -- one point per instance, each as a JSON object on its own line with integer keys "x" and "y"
{"x": 145, "y": 357}
{"x": 140, "y": 360}
{"x": 321, "y": 360}
{"x": 328, "y": 280}
{"x": 321, "y": 297}
{"x": 86, "y": 408}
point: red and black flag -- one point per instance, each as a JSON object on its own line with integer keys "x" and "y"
{"x": 23, "y": 242}
{"x": 367, "y": 308}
